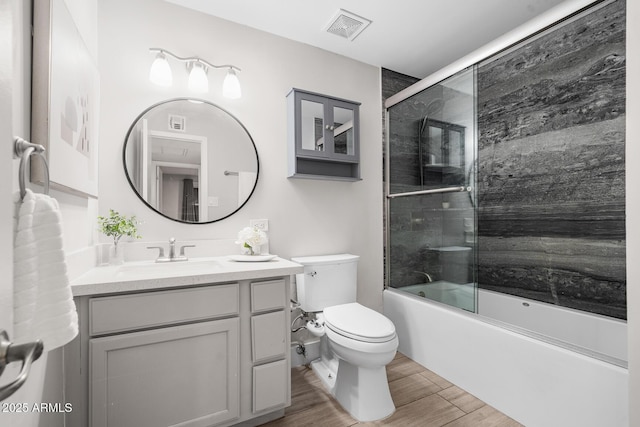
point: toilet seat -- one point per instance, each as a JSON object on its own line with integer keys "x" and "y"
{"x": 359, "y": 323}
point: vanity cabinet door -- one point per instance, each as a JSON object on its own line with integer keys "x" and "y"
{"x": 183, "y": 375}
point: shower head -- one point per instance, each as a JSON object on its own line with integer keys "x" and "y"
{"x": 434, "y": 106}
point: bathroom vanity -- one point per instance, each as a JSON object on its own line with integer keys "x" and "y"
{"x": 200, "y": 343}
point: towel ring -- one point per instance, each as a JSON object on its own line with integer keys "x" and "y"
{"x": 23, "y": 149}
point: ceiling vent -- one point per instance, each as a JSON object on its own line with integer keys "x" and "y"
{"x": 347, "y": 25}
{"x": 178, "y": 123}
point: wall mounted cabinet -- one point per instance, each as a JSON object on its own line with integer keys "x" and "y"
{"x": 324, "y": 137}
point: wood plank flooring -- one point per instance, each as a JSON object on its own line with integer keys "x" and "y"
{"x": 422, "y": 399}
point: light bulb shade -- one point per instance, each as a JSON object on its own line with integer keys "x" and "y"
{"x": 231, "y": 85}
{"x": 198, "y": 81}
{"x": 160, "y": 72}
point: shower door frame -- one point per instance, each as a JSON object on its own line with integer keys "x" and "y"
{"x": 388, "y": 196}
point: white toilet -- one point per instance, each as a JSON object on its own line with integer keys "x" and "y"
{"x": 356, "y": 342}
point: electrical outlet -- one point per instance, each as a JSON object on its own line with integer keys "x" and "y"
{"x": 260, "y": 224}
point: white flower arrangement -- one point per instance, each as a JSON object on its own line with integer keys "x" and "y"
{"x": 250, "y": 239}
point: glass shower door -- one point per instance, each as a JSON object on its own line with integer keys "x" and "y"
{"x": 431, "y": 209}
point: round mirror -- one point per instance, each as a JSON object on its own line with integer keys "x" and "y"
{"x": 190, "y": 160}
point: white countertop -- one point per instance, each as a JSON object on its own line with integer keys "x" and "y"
{"x": 148, "y": 275}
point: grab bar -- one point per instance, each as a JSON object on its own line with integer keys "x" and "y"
{"x": 9, "y": 352}
{"x": 23, "y": 149}
{"x": 434, "y": 191}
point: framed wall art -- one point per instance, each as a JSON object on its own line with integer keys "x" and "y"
{"x": 65, "y": 101}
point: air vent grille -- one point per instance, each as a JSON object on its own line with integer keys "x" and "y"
{"x": 347, "y": 25}
{"x": 178, "y": 123}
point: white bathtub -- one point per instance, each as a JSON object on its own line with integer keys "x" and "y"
{"x": 457, "y": 295}
{"x": 535, "y": 382}
{"x": 594, "y": 335}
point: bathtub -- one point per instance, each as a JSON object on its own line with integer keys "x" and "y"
{"x": 454, "y": 294}
{"x": 536, "y": 382}
{"x": 594, "y": 335}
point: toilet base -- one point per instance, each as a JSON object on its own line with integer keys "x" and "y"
{"x": 325, "y": 374}
{"x": 363, "y": 392}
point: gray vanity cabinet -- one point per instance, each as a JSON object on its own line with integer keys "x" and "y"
{"x": 176, "y": 375}
{"x": 207, "y": 355}
{"x": 324, "y": 137}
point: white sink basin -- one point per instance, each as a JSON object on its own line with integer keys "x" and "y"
{"x": 152, "y": 269}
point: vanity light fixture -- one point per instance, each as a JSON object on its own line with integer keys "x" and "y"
{"x": 198, "y": 82}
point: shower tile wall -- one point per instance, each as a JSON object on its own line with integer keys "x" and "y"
{"x": 392, "y": 83}
{"x": 551, "y": 126}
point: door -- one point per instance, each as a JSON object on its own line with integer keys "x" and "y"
{"x": 431, "y": 205}
{"x": 9, "y": 13}
{"x": 6, "y": 168}
{"x": 15, "y": 78}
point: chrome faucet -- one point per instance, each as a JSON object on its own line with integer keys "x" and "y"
{"x": 172, "y": 248}
{"x": 427, "y": 275}
{"x": 172, "y": 252}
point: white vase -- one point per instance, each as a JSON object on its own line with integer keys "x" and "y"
{"x": 250, "y": 250}
{"x": 116, "y": 255}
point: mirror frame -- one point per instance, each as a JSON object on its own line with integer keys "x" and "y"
{"x": 126, "y": 171}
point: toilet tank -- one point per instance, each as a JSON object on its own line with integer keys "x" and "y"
{"x": 327, "y": 280}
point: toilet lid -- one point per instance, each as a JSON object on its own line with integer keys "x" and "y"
{"x": 359, "y": 322}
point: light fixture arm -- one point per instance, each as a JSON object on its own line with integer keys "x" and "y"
{"x": 192, "y": 59}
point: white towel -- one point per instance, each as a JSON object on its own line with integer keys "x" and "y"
{"x": 42, "y": 298}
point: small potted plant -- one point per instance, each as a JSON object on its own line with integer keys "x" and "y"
{"x": 116, "y": 226}
{"x": 250, "y": 240}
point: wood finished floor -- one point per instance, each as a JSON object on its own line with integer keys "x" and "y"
{"x": 422, "y": 399}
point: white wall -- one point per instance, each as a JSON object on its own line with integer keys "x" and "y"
{"x": 306, "y": 217}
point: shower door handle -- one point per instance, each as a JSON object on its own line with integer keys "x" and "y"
{"x": 432, "y": 191}
{"x": 9, "y": 352}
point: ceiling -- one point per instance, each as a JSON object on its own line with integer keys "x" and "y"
{"x": 413, "y": 37}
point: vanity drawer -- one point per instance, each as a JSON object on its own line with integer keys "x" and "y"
{"x": 270, "y": 385}
{"x": 151, "y": 309}
{"x": 269, "y": 295}
{"x": 268, "y": 336}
